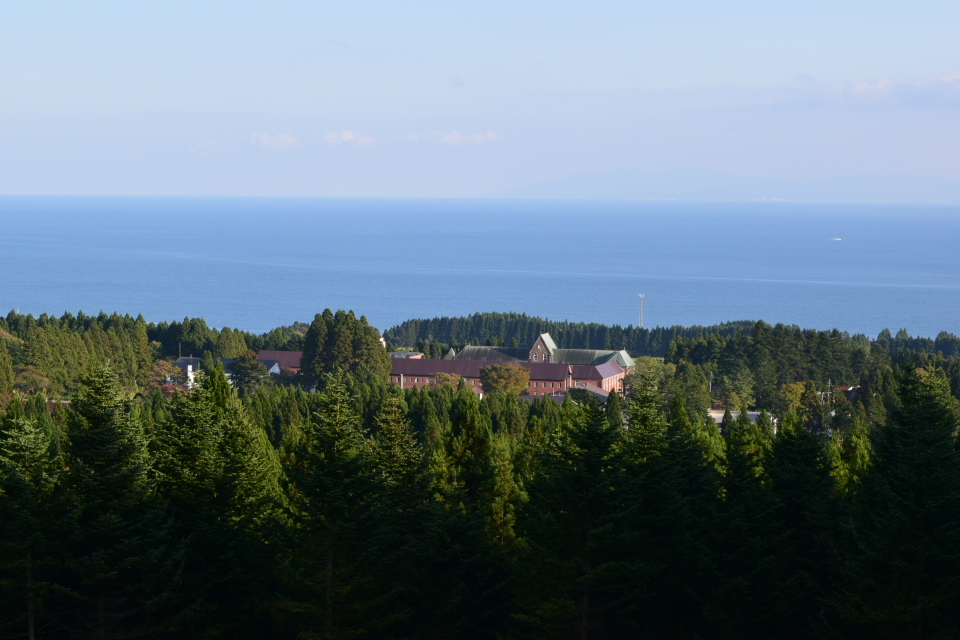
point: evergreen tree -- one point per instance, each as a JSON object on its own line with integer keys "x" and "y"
{"x": 648, "y": 425}
{"x": 679, "y": 420}
{"x": 251, "y": 463}
{"x": 766, "y": 426}
{"x": 706, "y": 433}
{"x": 208, "y": 363}
{"x": 115, "y": 550}
{"x": 230, "y": 344}
{"x": 577, "y": 582}
{"x": 726, "y": 424}
{"x": 38, "y": 411}
{"x": 902, "y": 583}
{"x": 397, "y": 535}
{"x": 742, "y": 601}
{"x": 342, "y": 343}
{"x": 313, "y": 362}
{"x": 503, "y": 491}
{"x": 694, "y": 461}
{"x": 29, "y": 516}
{"x": 806, "y": 517}
{"x": 221, "y": 478}
{"x": 480, "y": 464}
{"x": 395, "y": 452}
{"x": 248, "y": 374}
{"x": 849, "y": 451}
{"x": 666, "y": 481}
{"x": 330, "y": 482}
{"x": 694, "y": 386}
{"x": 6, "y": 371}
{"x": 614, "y": 409}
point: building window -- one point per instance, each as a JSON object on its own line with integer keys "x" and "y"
{"x": 534, "y": 357}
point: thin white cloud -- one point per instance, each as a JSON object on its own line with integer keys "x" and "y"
{"x": 278, "y": 141}
{"x": 882, "y": 93}
{"x": 930, "y": 92}
{"x": 340, "y": 137}
{"x": 872, "y": 91}
{"x": 456, "y": 138}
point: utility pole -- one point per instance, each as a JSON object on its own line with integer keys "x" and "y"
{"x": 641, "y": 309}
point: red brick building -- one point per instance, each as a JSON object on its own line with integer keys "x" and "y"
{"x": 608, "y": 376}
{"x": 546, "y": 378}
{"x": 545, "y": 350}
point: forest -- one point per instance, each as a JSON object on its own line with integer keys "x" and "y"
{"x": 335, "y": 505}
{"x": 518, "y": 329}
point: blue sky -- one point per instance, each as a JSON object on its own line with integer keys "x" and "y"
{"x": 467, "y": 99}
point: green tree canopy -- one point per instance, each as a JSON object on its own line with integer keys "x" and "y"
{"x": 506, "y": 378}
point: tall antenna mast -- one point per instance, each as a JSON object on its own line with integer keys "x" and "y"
{"x": 641, "y": 309}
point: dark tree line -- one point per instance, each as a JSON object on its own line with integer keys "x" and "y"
{"x": 435, "y": 336}
{"x": 518, "y": 329}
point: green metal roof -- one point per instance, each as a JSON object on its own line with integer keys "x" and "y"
{"x": 593, "y": 356}
{"x": 547, "y": 340}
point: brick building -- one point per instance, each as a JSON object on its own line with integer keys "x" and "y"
{"x": 546, "y": 378}
{"x": 544, "y": 349}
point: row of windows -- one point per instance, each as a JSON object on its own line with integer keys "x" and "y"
{"x": 427, "y": 380}
{"x": 553, "y": 385}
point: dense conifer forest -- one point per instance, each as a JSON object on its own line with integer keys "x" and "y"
{"x": 519, "y": 329}
{"x": 331, "y": 504}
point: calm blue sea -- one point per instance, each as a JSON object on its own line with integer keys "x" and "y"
{"x": 258, "y": 263}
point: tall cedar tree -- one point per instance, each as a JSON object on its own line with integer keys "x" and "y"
{"x": 902, "y": 582}
{"x": 331, "y": 484}
{"x": 248, "y": 373}
{"x": 695, "y": 458}
{"x": 230, "y": 344}
{"x": 577, "y": 583}
{"x": 116, "y": 552}
{"x": 660, "y": 542}
{"x": 221, "y": 477}
{"x": 400, "y": 507}
{"x": 742, "y": 603}
{"x": 342, "y": 343}
{"x": 807, "y": 517}
{"x": 29, "y": 518}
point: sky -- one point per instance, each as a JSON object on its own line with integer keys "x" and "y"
{"x": 467, "y": 99}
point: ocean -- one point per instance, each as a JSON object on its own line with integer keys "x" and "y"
{"x": 258, "y": 263}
